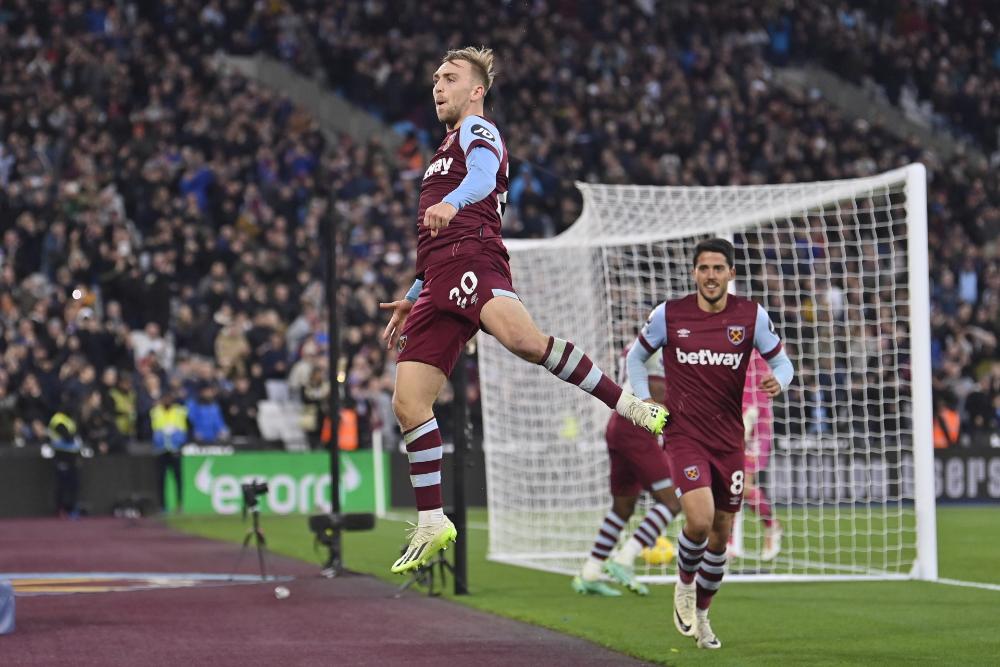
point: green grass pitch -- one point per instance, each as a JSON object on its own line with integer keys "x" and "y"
{"x": 870, "y": 623}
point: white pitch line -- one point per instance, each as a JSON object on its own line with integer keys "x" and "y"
{"x": 478, "y": 525}
{"x": 968, "y": 584}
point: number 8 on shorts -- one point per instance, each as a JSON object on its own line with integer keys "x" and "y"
{"x": 736, "y": 487}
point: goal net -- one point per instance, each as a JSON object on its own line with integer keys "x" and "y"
{"x": 842, "y": 268}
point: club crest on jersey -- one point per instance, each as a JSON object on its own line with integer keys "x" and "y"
{"x": 448, "y": 141}
{"x": 736, "y": 334}
{"x": 483, "y": 132}
{"x": 691, "y": 472}
{"x": 401, "y": 343}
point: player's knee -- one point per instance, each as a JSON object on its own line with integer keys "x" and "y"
{"x": 400, "y": 406}
{"x": 409, "y": 413}
{"x": 623, "y": 507}
{"x": 697, "y": 527}
{"x": 669, "y": 499}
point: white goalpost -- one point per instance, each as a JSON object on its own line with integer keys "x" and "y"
{"x": 842, "y": 268}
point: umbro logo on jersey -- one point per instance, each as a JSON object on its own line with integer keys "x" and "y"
{"x": 683, "y": 333}
{"x": 709, "y": 358}
{"x": 483, "y": 132}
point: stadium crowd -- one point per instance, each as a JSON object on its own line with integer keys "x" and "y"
{"x": 939, "y": 59}
{"x": 159, "y": 230}
{"x": 160, "y": 219}
{"x": 683, "y": 95}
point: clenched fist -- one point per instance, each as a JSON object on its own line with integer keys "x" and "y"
{"x": 438, "y": 216}
{"x": 770, "y": 384}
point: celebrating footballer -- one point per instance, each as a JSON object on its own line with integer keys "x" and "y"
{"x": 463, "y": 284}
{"x": 707, "y": 339}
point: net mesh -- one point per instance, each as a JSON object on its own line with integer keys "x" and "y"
{"x": 829, "y": 262}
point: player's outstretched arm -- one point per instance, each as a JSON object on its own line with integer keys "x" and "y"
{"x": 400, "y": 309}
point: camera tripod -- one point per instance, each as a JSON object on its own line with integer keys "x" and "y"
{"x": 425, "y": 576}
{"x": 257, "y": 535}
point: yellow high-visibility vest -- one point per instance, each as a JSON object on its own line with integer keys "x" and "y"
{"x": 169, "y": 419}
{"x": 63, "y": 419}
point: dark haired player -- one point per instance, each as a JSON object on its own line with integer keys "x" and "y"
{"x": 707, "y": 339}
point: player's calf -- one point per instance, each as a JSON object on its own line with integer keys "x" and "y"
{"x": 570, "y": 364}
{"x": 689, "y": 557}
{"x": 707, "y": 582}
{"x": 588, "y": 582}
{"x": 653, "y": 525}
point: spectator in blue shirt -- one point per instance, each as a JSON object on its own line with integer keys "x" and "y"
{"x": 205, "y": 415}
{"x": 968, "y": 280}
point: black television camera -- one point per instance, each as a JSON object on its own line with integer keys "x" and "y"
{"x": 326, "y": 529}
{"x": 251, "y": 491}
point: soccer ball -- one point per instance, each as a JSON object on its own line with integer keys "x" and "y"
{"x": 661, "y": 553}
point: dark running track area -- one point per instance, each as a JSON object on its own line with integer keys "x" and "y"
{"x": 353, "y": 620}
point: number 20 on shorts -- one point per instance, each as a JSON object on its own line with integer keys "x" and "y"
{"x": 468, "y": 283}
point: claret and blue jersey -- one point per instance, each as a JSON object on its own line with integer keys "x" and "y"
{"x": 705, "y": 357}
{"x": 466, "y": 264}
{"x": 469, "y": 170}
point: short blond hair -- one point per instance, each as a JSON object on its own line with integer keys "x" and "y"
{"x": 481, "y": 59}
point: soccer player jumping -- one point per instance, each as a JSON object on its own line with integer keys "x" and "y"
{"x": 464, "y": 284}
{"x": 707, "y": 339}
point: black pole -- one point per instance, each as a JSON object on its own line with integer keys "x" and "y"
{"x": 333, "y": 347}
{"x": 460, "y": 416}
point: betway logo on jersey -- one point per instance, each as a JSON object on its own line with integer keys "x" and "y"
{"x": 442, "y": 164}
{"x": 709, "y": 358}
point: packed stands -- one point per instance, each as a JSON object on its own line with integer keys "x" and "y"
{"x": 159, "y": 218}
